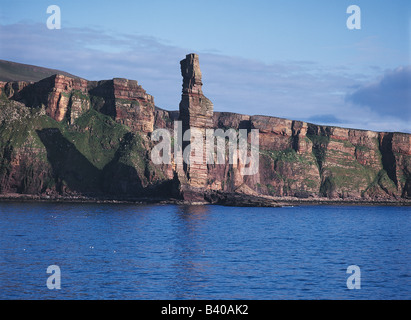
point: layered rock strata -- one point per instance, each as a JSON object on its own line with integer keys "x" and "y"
{"x": 196, "y": 115}
{"x": 68, "y": 98}
{"x": 65, "y": 135}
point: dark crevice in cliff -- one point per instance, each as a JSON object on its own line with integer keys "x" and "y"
{"x": 319, "y": 154}
{"x": 5, "y": 168}
{"x": 294, "y": 143}
{"x": 407, "y": 187}
{"x": 296, "y": 128}
{"x": 387, "y": 157}
{"x": 320, "y": 140}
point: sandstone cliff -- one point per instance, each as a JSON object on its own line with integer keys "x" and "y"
{"x": 68, "y": 136}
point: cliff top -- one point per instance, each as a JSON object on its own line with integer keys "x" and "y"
{"x": 13, "y": 71}
{"x": 192, "y": 84}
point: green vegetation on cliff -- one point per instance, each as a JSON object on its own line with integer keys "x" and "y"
{"x": 40, "y": 154}
{"x": 96, "y": 136}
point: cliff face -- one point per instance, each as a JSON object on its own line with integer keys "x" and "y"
{"x": 304, "y": 160}
{"x": 70, "y": 136}
{"x": 68, "y": 98}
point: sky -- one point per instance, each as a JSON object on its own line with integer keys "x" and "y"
{"x": 284, "y": 58}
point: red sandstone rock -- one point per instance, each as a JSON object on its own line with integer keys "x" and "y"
{"x": 63, "y": 96}
{"x": 296, "y": 158}
{"x": 196, "y": 112}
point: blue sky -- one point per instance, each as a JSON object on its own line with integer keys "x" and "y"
{"x": 292, "y": 59}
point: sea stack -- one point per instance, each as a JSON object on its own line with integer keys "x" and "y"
{"x": 195, "y": 109}
{"x": 196, "y": 114}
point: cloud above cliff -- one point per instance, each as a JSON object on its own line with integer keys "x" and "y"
{"x": 390, "y": 95}
{"x": 300, "y": 90}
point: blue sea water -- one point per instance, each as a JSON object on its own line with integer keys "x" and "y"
{"x": 118, "y": 251}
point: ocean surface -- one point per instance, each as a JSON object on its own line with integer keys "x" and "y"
{"x": 117, "y": 251}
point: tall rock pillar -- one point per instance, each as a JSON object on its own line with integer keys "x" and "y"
{"x": 196, "y": 114}
{"x": 195, "y": 109}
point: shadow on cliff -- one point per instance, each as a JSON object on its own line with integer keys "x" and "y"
{"x": 72, "y": 171}
{"x": 102, "y": 97}
{"x": 121, "y": 179}
{"x": 388, "y": 158}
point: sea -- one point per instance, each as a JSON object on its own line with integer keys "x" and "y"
{"x": 85, "y": 251}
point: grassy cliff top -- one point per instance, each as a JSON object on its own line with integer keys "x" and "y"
{"x": 13, "y": 71}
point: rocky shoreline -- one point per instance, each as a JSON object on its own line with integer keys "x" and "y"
{"x": 224, "y": 199}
